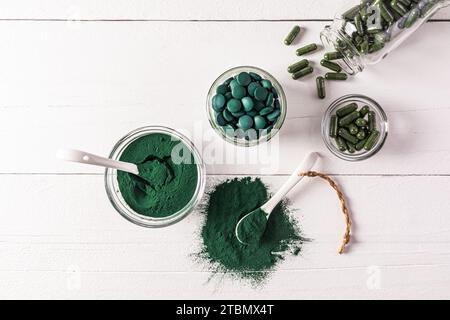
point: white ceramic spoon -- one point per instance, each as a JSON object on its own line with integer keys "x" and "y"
{"x": 92, "y": 159}
{"x": 252, "y": 226}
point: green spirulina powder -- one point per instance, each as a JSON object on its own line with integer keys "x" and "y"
{"x": 167, "y": 175}
{"x": 227, "y": 204}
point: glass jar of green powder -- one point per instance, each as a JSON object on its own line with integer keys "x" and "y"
{"x": 246, "y": 106}
{"x": 171, "y": 177}
{"x": 354, "y": 127}
{"x": 366, "y": 33}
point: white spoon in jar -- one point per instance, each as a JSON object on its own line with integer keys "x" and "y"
{"x": 251, "y": 227}
{"x": 92, "y": 159}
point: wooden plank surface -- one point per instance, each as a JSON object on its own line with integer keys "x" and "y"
{"x": 399, "y": 244}
{"x": 63, "y": 86}
{"x": 178, "y": 9}
{"x": 71, "y": 77}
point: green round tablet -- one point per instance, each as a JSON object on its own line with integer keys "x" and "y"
{"x": 261, "y": 94}
{"x": 260, "y": 122}
{"x": 218, "y": 102}
{"x": 238, "y": 92}
{"x": 266, "y": 111}
{"x": 227, "y": 115}
{"x": 220, "y": 120}
{"x": 272, "y": 117}
{"x": 245, "y": 122}
{"x": 269, "y": 100}
{"x": 243, "y": 79}
{"x": 234, "y": 105}
{"x": 222, "y": 89}
{"x": 248, "y": 103}
{"x": 266, "y": 84}
{"x": 252, "y": 87}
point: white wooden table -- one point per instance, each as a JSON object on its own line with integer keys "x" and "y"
{"x": 84, "y": 73}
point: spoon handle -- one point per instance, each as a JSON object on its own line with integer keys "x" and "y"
{"x": 89, "y": 158}
{"x": 295, "y": 178}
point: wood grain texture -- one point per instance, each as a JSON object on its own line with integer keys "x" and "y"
{"x": 70, "y": 79}
{"x": 178, "y": 9}
{"x": 67, "y": 229}
{"x": 64, "y": 86}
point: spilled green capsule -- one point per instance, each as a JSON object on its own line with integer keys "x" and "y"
{"x": 302, "y": 64}
{"x": 302, "y": 73}
{"x": 331, "y": 65}
{"x": 320, "y": 83}
{"x": 306, "y": 49}
{"x": 292, "y": 35}
{"x": 336, "y": 76}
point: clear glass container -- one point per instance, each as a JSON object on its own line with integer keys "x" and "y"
{"x": 381, "y": 122}
{"x": 366, "y": 33}
{"x": 235, "y": 136}
{"x": 112, "y": 185}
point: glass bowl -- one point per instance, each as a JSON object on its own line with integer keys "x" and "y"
{"x": 237, "y": 139}
{"x": 112, "y": 185}
{"x": 381, "y": 122}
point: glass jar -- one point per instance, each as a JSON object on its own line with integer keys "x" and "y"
{"x": 381, "y": 125}
{"x": 236, "y": 136}
{"x": 112, "y": 185}
{"x": 366, "y": 33}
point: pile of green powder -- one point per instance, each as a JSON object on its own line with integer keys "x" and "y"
{"x": 227, "y": 204}
{"x": 164, "y": 186}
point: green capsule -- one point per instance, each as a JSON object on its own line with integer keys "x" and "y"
{"x": 353, "y": 129}
{"x": 347, "y": 136}
{"x": 351, "y": 148}
{"x": 360, "y": 122}
{"x": 398, "y": 7}
{"x": 333, "y": 56}
{"x": 306, "y": 49}
{"x": 364, "y": 110}
{"x": 386, "y": 14}
{"x": 320, "y": 82}
{"x": 298, "y": 66}
{"x": 333, "y": 126}
{"x": 336, "y": 76}
{"x": 360, "y": 145}
{"x": 341, "y": 144}
{"x": 372, "y": 140}
{"x": 372, "y": 121}
{"x": 359, "y": 24}
{"x": 342, "y": 112}
{"x": 376, "y": 47}
{"x": 302, "y": 73}
{"x": 292, "y": 35}
{"x": 412, "y": 18}
{"x": 331, "y": 65}
{"x": 361, "y": 135}
{"x": 349, "y": 118}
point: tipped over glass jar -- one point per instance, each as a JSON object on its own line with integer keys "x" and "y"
{"x": 366, "y": 33}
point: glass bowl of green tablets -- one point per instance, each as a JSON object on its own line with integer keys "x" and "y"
{"x": 246, "y": 106}
{"x": 354, "y": 127}
{"x": 176, "y": 172}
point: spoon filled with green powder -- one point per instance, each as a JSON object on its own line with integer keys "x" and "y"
{"x": 250, "y": 229}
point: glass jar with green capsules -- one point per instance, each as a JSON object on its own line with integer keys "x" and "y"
{"x": 354, "y": 127}
{"x": 366, "y": 33}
